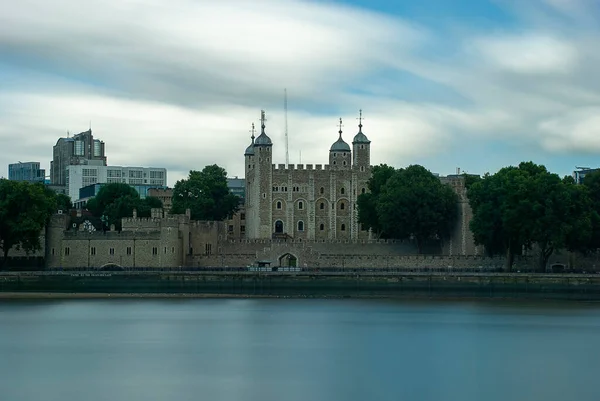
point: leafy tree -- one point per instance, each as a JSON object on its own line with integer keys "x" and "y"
{"x": 591, "y": 181}
{"x": 117, "y": 200}
{"x": 24, "y": 211}
{"x": 206, "y": 194}
{"x": 527, "y": 206}
{"x": 488, "y": 199}
{"x": 367, "y": 202}
{"x": 408, "y": 203}
{"x": 63, "y": 202}
{"x": 148, "y": 203}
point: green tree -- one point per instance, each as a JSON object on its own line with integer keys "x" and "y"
{"x": 25, "y": 209}
{"x": 488, "y": 199}
{"x": 63, "y": 202}
{"x": 113, "y": 202}
{"x": 367, "y": 202}
{"x": 591, "y": 181}
{"x": 408, "y": 203}
{"x": 526, "y": 207}
{"x": 147, "y": 204}
{"x": 206, "y": 194}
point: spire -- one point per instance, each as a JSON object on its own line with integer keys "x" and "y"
{"x": 360, "y": 138}
{"x": 263, "y": 139}
{"x": 252, "y": 136}
{"x": 360, "y": 117}
{"x": 340, "y": 131}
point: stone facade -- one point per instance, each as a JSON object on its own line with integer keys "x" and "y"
{"x": 305, "y": 201}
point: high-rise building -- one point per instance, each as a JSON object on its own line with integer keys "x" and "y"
{"x": 579, "y": 175}
{"x": 27, "y": 171}
{"x": 81, "y": 149}
{"x": 83, "y": 175}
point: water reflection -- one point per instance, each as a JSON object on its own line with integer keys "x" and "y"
{"x": 246, "y": 349}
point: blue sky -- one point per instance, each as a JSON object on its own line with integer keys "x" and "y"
{"x": 475, "y": 84}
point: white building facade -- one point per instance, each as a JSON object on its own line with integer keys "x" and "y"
{"x": 83, "y": 175}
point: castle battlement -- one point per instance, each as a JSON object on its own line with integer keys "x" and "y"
{"x": 280, "y": 168}
{"x": 111, "y": 235}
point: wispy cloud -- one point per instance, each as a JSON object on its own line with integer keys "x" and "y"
{"x": 177, "y": 83}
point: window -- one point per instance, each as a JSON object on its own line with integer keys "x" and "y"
{"x": 322, "y": 227}
{"x": 242, "y": 216}
{"x": 172, "y": 249}
{"x": 344, "y": 162}
{"x": 154, "y": 251}
{"x": 362, "y": 191}
{"x": 242, "y": 229}
{"x": 93, "y": 251}
{"x": 230, "y": 228}
{"x": 322, "y": 190}
{"x": 362, "y": 146}
{"x": 165, "y": 250}
{"x": 300, "y": 226}
{"x": 334, "y": 162}
{"x": 207, "y": 249}
{"x": 300, "y": 205}
{"x": 264, "y": 195}
{"x": 343, "y": 228}
{"x": 67, "y": 251}
{"x": 52, "y": 252}
{"x": 322, "y": 205}
{"x": 342, "y": 191}
{"x": 335, "y": 155}
{"x": 128, "y": 250}
{"x": 111, "y": 251}
{"x": 278, "y": 204}
{"x": 342, "y": 205}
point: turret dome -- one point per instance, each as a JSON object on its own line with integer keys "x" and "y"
{"x": 263, "y": 139}
{"x": 360, "y": 138}
{"x": 340, "y": 145}
{"x": 250, "y": 149}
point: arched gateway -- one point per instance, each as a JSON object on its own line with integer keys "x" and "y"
{"x": 288, "y": 260}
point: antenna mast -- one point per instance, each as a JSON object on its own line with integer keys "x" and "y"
{"x": 287, "y": 153}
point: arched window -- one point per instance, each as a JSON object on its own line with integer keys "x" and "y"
{"x": 278, "y": 204}
{"x": 300, "y": 205}
{"x": 343, "y": 228}
{"x": 342, "y": 190}
{"x": 300, "y": 226}
{"x": 362, "y": 191}
{"x": 322, "y": 190}
{"x": 322, "y": 227}
{"x": 322, "y": 205}
{"x": 342, "y": 205}
{"x": 344, "y": 163}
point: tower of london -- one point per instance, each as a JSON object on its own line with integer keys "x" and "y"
{"x": 306, "y": 202}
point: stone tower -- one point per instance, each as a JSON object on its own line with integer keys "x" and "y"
{"x": 251, "y": 208}
{"x": 361, "y": 168}
{"x": 261, "y": 202}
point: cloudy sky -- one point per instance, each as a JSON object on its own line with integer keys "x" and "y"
{"x": 475, "y": 84}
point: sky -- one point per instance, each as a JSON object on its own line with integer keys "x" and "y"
{"x": 469, "y": 84}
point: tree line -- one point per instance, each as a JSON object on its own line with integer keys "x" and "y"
{"x": 26, "y": 208}
{"x": 517, "y": 209}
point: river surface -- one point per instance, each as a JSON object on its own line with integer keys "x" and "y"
{"x": 297, "y": 349}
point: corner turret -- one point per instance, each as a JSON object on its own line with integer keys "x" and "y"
{"x": 340, "y": 154}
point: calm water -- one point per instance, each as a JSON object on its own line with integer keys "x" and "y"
{"x": 297, "y": 350}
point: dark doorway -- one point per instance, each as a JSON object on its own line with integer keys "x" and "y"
{"x": 288, "y": 260}
{"x": 279, "y": 227}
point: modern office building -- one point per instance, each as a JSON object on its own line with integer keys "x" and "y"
{"x": 81, "y": 149}
{"x": 580, "y": 174}
{"x": 88, "y": 192}
{"x": 26, "y": 171}
{"x": 237, "y": 186}
{"x": 81, "y": 176}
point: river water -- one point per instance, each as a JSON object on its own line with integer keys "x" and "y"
{"x": 297, "y": 349}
